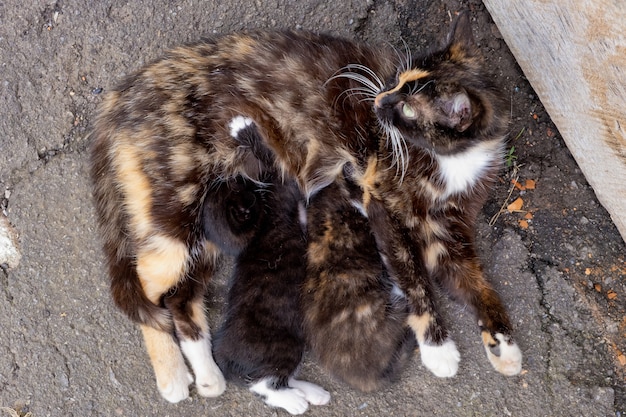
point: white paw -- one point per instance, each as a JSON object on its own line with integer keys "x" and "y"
{"x": 174, "y": 387}
{"x": 292, "y": 400}
{"x": 442, "y": 360}
{"x": 211, "y": 383}
{"x": 313, "y": 393}
{"x": 209, "y": 379}
{"x": 508, "y": 361}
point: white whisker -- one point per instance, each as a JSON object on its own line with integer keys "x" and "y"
{"x": 368, "y": 71}
{"x": 399, "y": 149}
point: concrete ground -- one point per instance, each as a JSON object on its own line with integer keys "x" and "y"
{"x": 66, "y": 351}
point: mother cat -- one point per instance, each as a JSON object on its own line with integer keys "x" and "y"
{"x": 423, "y": 147}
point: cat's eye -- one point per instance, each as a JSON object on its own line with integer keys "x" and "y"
{"x": 408, "y": 111}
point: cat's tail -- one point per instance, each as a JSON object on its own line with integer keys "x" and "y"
{"x": 128, "y": 295}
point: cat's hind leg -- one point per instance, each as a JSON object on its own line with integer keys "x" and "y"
{"x": 186, "y": 302}
{"x": 167, "y": 278}
{"x": 172, "y": 376}
{"x": 160, "y": 266}
{"x": 208, "y": 377}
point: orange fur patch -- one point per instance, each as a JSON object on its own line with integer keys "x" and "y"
{"x": 136, "y": 185}
{"x": 161, "y": 265}
{"x": 419, "y": 324}
{"x": 403, "y": 78}
{"x": 488, "y": 340}
{"x": 368, "y": 180}
{"x": 432, "y": 253}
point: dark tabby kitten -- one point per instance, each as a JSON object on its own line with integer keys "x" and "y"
{"x": 423, "y": 148}
{"x": 261, "y": 341}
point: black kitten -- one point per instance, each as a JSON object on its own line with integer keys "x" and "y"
{"x": 261, "y": 341}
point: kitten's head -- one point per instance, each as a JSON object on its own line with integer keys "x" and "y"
{"x": 231, "y": 213}
{"x": 444, "y": 101}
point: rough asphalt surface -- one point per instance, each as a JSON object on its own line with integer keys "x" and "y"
{"x": 66, "y": 351}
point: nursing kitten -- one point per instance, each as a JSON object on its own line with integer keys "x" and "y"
{"x": 423, "y": 148}
{"x": 355, "y": 320}
{"x": 260, "y": 343}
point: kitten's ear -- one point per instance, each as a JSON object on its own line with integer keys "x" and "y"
{"x": 460, "y": 37}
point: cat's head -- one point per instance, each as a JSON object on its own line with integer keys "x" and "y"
{"x": 445, "y": 101}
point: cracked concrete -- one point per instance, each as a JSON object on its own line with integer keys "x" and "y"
{"x": 64, "y": 348}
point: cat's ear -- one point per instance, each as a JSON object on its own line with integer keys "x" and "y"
{"x": 460, "y": 39}
{"x": 457, "y": 111}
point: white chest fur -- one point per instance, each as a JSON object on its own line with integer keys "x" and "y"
{"x": 461, "y": 172}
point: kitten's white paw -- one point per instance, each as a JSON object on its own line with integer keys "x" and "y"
{"x": 505, "y": 356}
{"x": 442, "y": 360}
{"x": 293, "y": 400}
{"x": 174, "y": 386}
{"x": 313, "y": 393}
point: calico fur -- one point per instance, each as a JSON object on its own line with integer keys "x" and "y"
{"x": 355, "y": 323}
{"x": 324, "y": 107}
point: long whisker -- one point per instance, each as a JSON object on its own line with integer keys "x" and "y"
{"x": 399, "y": 149}
{"x": 360, "y": 78}
{"x": 369, "y": 72}
{"x": 409, "y": 56}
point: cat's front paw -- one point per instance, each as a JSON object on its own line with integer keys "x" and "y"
{"x": 442, "y": 360}
{"x": 174, "y": 386}
{"x": 503, "y": 353}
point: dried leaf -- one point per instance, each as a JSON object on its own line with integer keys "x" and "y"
{"x": 528, "y": 216}
{"x": 530, "y": 184}
{"x": 598, "y": 287}
{"x": 587, "y": 271}
{"x": 612, "y": 295}
{"x": 518, "y": 185}
{"x": 622, "y": 359}
{"x": 516, "y": 205}
{"x": 523, "y": 224}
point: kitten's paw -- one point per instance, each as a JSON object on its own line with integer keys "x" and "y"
{"x": 503, "y": 353}
{"x": 293, "y": 400}
{"x": 442, "y": 360}
{"x": 174, "y": 387}
{"x": 313, "y": 393}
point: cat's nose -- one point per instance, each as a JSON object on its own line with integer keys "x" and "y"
{"x": 383, "y": 99}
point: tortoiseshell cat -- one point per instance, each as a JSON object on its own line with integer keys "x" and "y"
{"x": 423, "y": 147}
{"x": 261, "y": 342}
